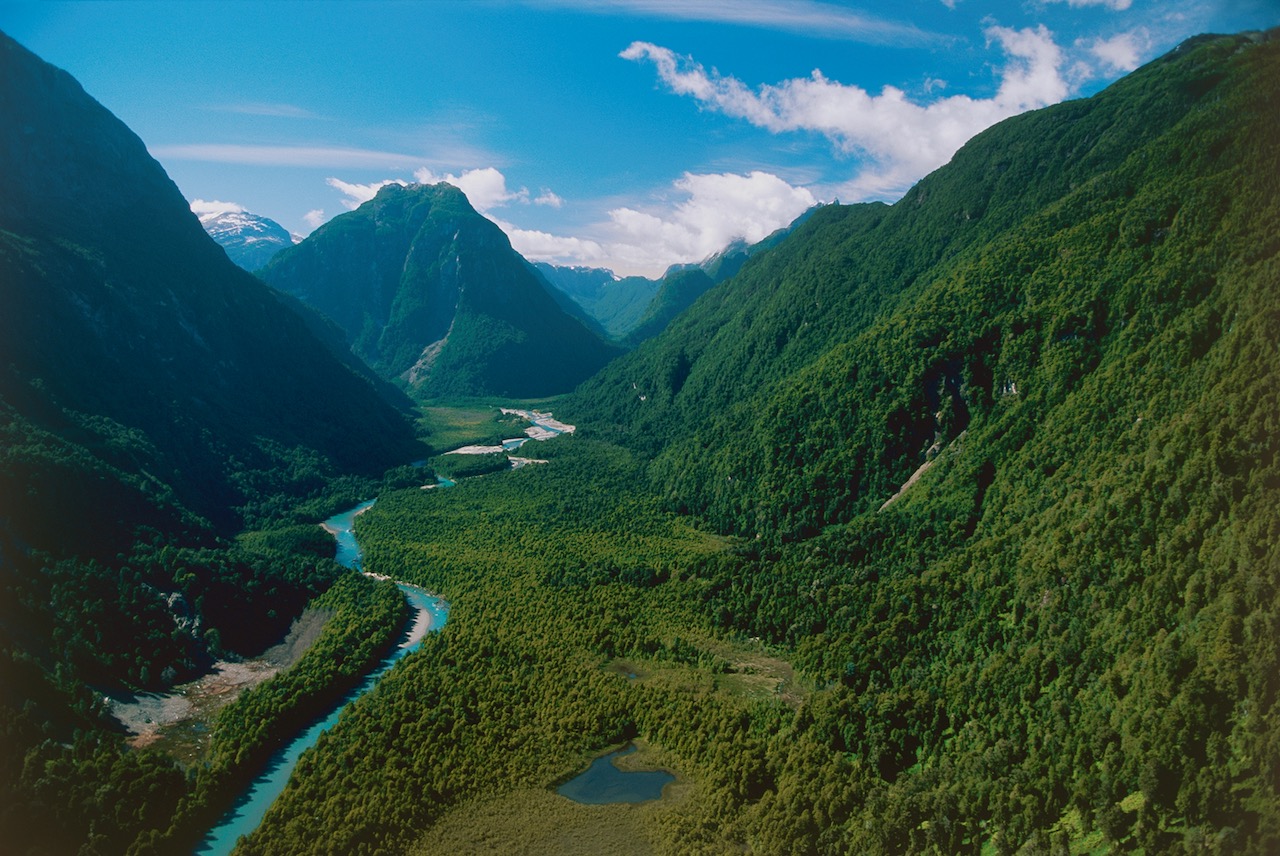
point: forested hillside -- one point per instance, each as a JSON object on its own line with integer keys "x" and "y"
{"x": 431, "y": 293}
{"x": 1069, "y": 336}
{"x": 947, "y": 526}
{"x": 1059, "y": 636}
{"x": 154, "y": 401}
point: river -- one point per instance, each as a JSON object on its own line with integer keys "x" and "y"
{"x": 431, "y": 613}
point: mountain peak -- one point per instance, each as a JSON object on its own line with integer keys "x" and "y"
{"x": 431, "y": 293}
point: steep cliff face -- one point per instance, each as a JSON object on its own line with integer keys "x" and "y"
{"x": 130, "y": 341}
{"x": 431, "y": 293}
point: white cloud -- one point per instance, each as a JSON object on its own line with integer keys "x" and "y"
{"x": 1113, "y": 5}
{"x": 713, "y": 210}
{"x": 314, "y": 218}
{"x": 543, "y": 246}
{"x": 358, "y": 194}
{"x": 898, "y": 140}
{"x": 809, "y": 17}
{"x": 213, "y": 207}
{"x": 549, "y": 199}
{"x": 485, "y": 188}
{"x": 716, "y": 209}
{"x": 1122, "y": 52}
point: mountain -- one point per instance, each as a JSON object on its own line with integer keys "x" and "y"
{"x": 129, "y": 332}
{"x": 155, "y": 400}
{"x": 677, "y": 291}
{"x": 249, "y": 239}
{"x": 632, "y": 309}
{"x": 616, "y": 303}
{"x": 1004, "y": 461}
{"x": 429, "y": 292}
{"x": 151, "y": 393}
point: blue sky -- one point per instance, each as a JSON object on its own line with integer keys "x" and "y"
{"x": 628, "y": 134}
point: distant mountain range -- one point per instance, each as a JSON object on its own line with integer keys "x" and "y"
{"x": 249, "y": 239}
{"x": 633, "y": 308}
{"x": 430, "y": 293}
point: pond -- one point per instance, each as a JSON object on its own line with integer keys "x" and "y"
{"x": 604, "y": 783}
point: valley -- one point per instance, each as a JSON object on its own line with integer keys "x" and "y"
{"x": 940, "y": 526}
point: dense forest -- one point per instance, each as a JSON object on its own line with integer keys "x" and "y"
{"x": 947, "y": 526}
{"x": 994, "y": 470}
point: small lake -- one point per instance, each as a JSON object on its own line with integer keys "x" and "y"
{"x": 604, "y": 783}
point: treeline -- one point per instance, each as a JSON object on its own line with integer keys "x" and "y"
{"x": 366, "y": 619}
{"x": 513, "y": 691}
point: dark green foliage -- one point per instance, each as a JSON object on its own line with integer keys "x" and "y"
{"x": 154, "y": 398}
{"x": 468, "y": 466}
{"x": 678, "y": 292}
{"x": 617, "y": 304}
{"x": 1061, "y": 634}
{"x": 431, "y": 293}
{"x": 511, "y": 691}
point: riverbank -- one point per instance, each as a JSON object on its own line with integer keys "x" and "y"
{"x": 179, "y": 722}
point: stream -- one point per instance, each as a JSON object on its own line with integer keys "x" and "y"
{"x": 431, "y": 612}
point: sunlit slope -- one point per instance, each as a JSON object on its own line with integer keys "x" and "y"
{"x": 808, "y": 388}
{"x": 431, "y": 293}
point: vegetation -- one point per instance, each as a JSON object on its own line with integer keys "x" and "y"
{"x": 430, "y": 292}
{"x": 948, "y": 526}
{"x": 1060, "y": 638}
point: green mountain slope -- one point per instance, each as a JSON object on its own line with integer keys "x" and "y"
{"x": 128, "y": 333}
{"x": 823, "y": 336}
{"x": 430, "y": 292}
{"x": 616, "y": 303}
{"x": 1007, "y": 450}
{"x": 678, "y": 291}
{"x": 154, "y": 400}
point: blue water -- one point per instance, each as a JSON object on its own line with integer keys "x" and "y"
{"x": 343, "y": 528}
{"x": 247, "y": 813}
{"x": 604, "y": 783}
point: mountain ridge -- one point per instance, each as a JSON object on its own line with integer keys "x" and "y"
{"x": 431, "y": 293}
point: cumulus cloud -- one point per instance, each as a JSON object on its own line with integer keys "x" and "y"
{"x": 314, "y": 218}
{"x": 485, "y": 188}
{"x": 710, "y": 211}
{"x": 715, "y": 210}
{"x": 358, "y": 194}
{"x": 1122, "y": 52}
{"x": 897, "y": 140}
{"x": 549, "y": 199}
{"x": 213, "y": 207}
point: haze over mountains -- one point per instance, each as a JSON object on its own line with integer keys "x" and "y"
{"x": 941, "y": 526}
